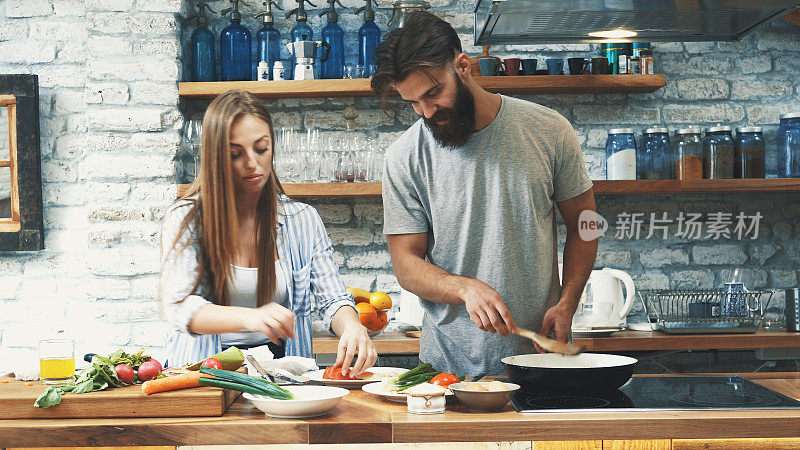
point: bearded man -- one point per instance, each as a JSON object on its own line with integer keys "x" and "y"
{"x": 469, "y": 197}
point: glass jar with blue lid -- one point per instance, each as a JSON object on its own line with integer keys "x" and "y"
{"x": 620, "y": 154}
{"x": 653, "y": 159}
{"x": 788, "y": 141}
{"x": 748, "y": 153}
{"x": 718, "y": 152}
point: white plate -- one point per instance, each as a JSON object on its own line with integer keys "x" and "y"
{"x": 381, "y": 389}
{"x": 378, "y": 373}
{"x": 309, "y": 401}
{"x": 595, "y": 332}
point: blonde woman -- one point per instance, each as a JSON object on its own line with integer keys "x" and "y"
{"x": 240, "y": 261}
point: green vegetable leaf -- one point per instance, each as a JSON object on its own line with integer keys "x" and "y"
{"x": 86, "y": 386}
{"x": 50, "y": 397}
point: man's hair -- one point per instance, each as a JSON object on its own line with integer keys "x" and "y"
{"x": 425, "y": 42}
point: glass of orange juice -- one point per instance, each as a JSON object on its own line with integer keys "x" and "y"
{"x": 56, "y": 360}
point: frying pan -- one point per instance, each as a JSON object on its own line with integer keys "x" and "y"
{"x": 585, "y": 372}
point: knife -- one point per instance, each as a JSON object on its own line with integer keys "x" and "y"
{"x": 271, "y": 375}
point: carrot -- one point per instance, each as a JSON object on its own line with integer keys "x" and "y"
{"x": 173, "y": 383}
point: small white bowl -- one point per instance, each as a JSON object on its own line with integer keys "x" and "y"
{"x": 483, "y": 400}
{"x": 309, "y": 401}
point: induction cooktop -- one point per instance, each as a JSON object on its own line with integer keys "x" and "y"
{"x": 662, "y": 393}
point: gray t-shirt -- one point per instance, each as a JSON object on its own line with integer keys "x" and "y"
{"x": 488, "y": 209}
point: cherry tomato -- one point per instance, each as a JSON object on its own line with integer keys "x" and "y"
{"x": 212, "y": 363}
{"x": 444, "y": 379}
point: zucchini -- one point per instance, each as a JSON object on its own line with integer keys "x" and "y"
{"x": 422, "y": 368}
{"x": 271, "y": 389}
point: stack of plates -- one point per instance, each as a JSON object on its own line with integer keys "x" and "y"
{"x": 595, "y": 332}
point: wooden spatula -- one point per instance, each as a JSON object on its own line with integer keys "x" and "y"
{"x": 551, "y": 345}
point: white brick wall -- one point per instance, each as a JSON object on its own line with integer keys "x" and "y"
{"x": 109, "y": 118}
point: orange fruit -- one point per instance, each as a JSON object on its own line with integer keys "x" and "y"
{"x": 381, "y": 319}
{"x": 380, "y": 300}
{"x": 359, "y": 295}
{"x": 367, "y": 314}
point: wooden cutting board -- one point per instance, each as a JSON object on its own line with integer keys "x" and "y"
{"x": 16, "y": 402}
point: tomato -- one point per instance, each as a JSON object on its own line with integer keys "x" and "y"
{"x": 335, "y": 373}
{"x": 125, "y": 373}
{"x": 212, "y": 363}
{"x": 444, "y": 379}
{"x": 148, "y": 370}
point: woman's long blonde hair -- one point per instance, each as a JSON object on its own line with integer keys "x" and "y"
{"x": 214, "y": 210}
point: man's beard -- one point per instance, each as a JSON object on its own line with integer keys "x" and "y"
{"x": 460, "y": 119}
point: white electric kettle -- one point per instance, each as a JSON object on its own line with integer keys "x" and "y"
{"x": 603, "y": 304}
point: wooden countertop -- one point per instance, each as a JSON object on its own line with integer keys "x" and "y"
{"x": 396, "y": 342}
{"x": 362, "y": 417}
{"x": 390, "y": 342}
{"x": 656, "y": 340}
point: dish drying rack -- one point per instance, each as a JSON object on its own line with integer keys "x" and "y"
{"x": 717, "y": 310}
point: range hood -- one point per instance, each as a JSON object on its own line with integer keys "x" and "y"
{"x": 551, "y": 21}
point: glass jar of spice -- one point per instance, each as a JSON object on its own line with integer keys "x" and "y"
{"x": 688, "y": 154}
{"x": 789, "y": 146}
{"x": 718, "y": 153}
{"x": 620, "y": 154}
{"x": 748, "y": 153}
{"x": 653, "y": 161}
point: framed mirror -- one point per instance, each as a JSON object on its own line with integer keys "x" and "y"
{"x": 21, "y": 225}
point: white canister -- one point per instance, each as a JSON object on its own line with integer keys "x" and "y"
{"x": 278, "y": 71}
{"x": 425, "y": 404}
{"x": 263, "y": 71}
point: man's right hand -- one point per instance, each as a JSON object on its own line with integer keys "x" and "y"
{"x": 485, "y": 307}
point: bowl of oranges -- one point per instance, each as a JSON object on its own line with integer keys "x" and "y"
{"x": 372, "y": 309}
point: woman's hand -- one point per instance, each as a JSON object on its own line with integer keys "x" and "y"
{"x": 272, "y": 319}
{"x": 354, "y": 339}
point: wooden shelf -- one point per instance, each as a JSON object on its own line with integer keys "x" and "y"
{"x": 602, "y": 187}
{"x": 520, "y": 85}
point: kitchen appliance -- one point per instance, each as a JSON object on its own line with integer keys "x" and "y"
{"x": 304, "y": 53}
{"x": 301, "y": 31}
{"x": 586, "y": 372}
{"x": 731, "y": 311}
{"x": 604, "y": 304}
{"x": 410, "y": 312}
{"x": 661, "y": 393}
{"x": 546, "y": 21}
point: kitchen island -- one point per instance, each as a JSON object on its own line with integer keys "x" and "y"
{"x": 364, "y": 418}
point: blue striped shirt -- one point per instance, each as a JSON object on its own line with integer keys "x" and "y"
{"x": 304, "y": 250}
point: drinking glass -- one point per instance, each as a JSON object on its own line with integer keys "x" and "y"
{"x": 350, "y": 71}
{"x": 56, "y": 360}
{"x": 370, "y": 70}
{"x": 360, "y": 71}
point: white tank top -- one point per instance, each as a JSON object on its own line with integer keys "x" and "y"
{"x": 242, "y": 292}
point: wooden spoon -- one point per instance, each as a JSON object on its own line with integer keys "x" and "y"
{"x": 551, "y": 345}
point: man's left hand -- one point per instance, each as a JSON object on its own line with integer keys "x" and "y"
{"x": 559, "y": 320}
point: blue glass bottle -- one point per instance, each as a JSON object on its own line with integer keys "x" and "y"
{"x": 234, "y": 47}
{"x": 369, "y": 37}
{"x": 301, "y": 31}
{"x": 333, "y": 66}
{"x": 268, "y": 38}
{"x": 203, "y": 65}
